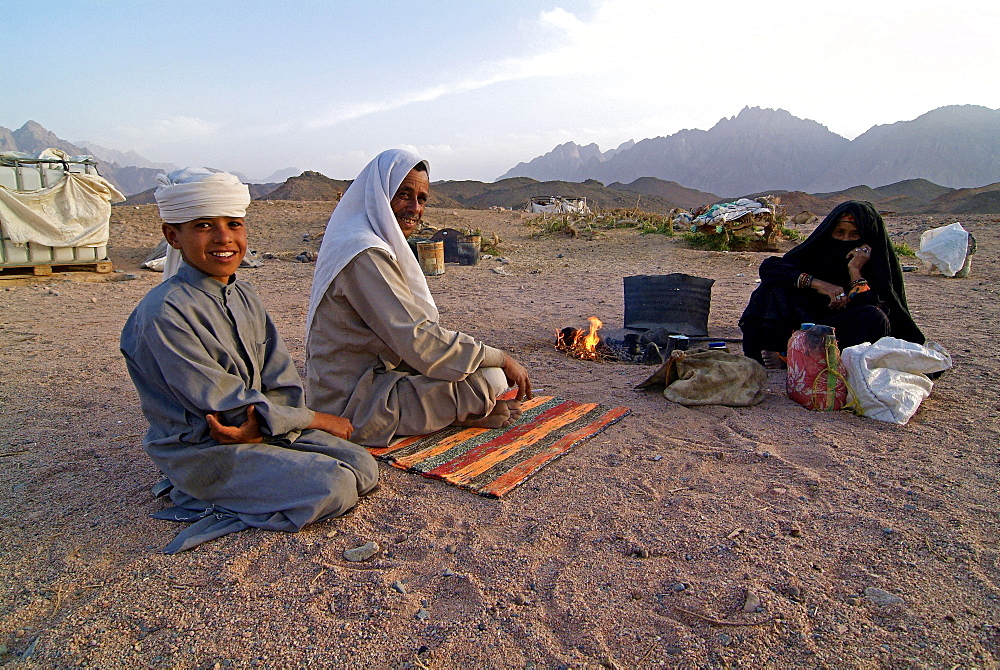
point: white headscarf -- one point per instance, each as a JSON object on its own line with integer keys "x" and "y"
{"x": 363, "y": 220}
{"x": 193, "y": 193}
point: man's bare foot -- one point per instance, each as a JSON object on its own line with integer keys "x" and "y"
{"x": 505, "y": 413}
{"x": 773, "y": 360}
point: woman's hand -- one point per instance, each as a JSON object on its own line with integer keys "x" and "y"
{"x": 856, "y": 259}
{"x": 836, "y": 294}
{"x": 337, "y": 426}
{"x": 247, "y": 432}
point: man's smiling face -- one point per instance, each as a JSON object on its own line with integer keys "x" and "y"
{"x": 408, "y": 203}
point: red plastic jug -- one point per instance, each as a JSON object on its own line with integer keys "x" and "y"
{"x": 815, "y": 374}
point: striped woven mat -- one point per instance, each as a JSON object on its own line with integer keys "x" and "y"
{"x": 491, "y": 462}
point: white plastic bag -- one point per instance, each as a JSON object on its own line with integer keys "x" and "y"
{"x": 945, "y": 248}
{"x": 887, "y": 380}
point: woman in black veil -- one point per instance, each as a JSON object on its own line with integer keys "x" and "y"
{"x": 845, "y": 275}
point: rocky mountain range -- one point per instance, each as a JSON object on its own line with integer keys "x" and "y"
{"x": 32, "y": 137}
{"x": 758, "y": 152}
{"x": 760, "y": 149}
{"x": 647, "y": 194}
{"x": 128, "y": 171}
{"x": 655, "y": 195}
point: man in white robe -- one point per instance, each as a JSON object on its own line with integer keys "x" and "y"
{"x": 376, "y": 352}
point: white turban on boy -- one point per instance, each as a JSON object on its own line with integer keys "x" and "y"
{"x": 194, "y": 193}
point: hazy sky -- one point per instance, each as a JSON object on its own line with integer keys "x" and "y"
{"x": 476, "y": 87}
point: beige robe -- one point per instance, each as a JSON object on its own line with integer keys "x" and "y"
{"x": 378, "y": 356}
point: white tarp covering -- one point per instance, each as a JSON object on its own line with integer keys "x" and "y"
{"x": 72, "y": 213}
{"x": 945, "y": 248}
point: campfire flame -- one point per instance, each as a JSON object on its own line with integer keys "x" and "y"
{"x": 580, "y": 343}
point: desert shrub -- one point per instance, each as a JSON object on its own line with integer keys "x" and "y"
{"x": 645, "y": 222}
{"x": 653, "y": 226}
{"x": 488, "y": 244}
{"x": 491, "y": 245}
{"x": 564, "y": 224}
{"x": 903, "y": 249}
{"x": 588, "y": 225}
{"x": 790, "y": 234}
{"x": 716, "y": 241}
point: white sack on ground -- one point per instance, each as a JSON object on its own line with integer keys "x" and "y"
{"x": 887, "y": 380}
{"x": 73, "y": 213}
{"x": 945, "y": 248}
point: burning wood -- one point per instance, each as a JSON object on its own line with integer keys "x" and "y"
{"x": 581, "y": 343}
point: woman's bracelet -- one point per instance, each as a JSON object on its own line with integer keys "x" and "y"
{"x": 857, "y": 288}
{"x": 859, "y": 282}
{"x": 805, "y": 280}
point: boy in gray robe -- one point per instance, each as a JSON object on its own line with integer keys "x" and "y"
{"x": 228, "y": 425}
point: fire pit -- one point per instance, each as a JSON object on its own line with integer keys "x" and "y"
{"x": 662, "y": 313}
{"x": 583, "y": 343}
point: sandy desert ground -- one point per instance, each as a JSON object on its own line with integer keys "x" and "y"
{"x": 859, "y": 544}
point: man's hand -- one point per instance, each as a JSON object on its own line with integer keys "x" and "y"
{"x": 517, "y": 375}
{"x": 246, "y": 433}
{"x": 337, "y": 426}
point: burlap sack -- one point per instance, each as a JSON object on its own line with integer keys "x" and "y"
{"x": 705, "y": 377}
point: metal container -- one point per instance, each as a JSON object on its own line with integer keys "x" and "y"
{"x": 677, "y": 302}
{"x": 431, "y": 257}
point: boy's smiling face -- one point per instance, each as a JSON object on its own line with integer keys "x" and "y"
{"x": 214, "y": 245}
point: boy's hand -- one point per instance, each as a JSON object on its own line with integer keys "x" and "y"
{"x": 337, "y": 426}
{"x": 246, "y": 433}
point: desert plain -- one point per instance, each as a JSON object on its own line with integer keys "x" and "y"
{"x": 768, "y": 536}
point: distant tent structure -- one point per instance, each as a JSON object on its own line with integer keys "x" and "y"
{"x": 558, "y": 204}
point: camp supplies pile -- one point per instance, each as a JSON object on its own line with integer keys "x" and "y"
{"x": 751, "y": 219}
{"x": 558, "y": 204}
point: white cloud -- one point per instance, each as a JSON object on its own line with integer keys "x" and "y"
{"x": 649, "y": 42}
{"x": 184, "y": 127}
{"x": 167, "y": 130}
{"x": 565, "y": 59}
